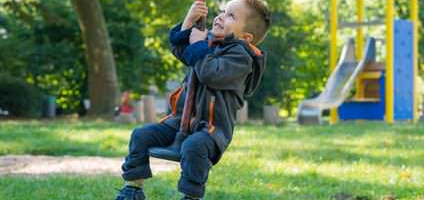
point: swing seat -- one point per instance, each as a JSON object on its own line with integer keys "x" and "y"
{"x": 171, "y": 152}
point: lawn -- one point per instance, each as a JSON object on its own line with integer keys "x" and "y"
{"x": 364, "y": 160}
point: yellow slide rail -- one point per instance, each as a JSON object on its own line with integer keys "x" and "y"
{"x": 414, "y": 18}
{"x": 333, "y": 50}
{"x": 390, "y": 8}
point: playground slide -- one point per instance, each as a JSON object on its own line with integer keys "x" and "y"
{"x": 339, "y": 84}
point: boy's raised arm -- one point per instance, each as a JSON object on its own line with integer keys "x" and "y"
{"x": 179, "y": 36}
{"x": 179, "y": 41}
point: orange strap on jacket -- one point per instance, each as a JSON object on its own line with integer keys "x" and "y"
{"x": 173, "y": 100}
{"x": 211, "y": 127}
{"x": 255, "y": 49}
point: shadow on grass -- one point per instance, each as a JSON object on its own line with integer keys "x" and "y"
{"x": 235, "y": 182}
{"x": 308, "y": 186}
{"x": 328, "y": 154}
{"x": 341, "y": 155}
{"x": 235, "y": 179}
{"x": 315, "y": 144}
{"x": 238, "y": 183}
{"x": 349, "y": 127}
{"x": 242, "y": 183}
{"x": 63, "y": 187}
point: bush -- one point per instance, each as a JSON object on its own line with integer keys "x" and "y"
{"x": 18, "y": 97}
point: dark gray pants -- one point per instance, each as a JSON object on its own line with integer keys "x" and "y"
{"x": 197, "y": 152}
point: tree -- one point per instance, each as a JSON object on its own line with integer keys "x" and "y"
{"x": 102, "y": 80}
{"x": 41, "y": 43}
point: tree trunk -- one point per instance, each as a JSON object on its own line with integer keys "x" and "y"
{"x": 102, "y": 80}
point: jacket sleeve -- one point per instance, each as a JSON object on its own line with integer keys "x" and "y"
{"x": 179, "y": 41}
{"x": 195, "y": 52}
{"x": 225, "y": 71}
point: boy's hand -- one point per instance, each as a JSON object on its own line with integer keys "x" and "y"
{"x": 197, "y": 35}
{"x": 198, "y": 9}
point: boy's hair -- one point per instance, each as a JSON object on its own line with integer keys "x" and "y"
{"x": 258, "y": 20}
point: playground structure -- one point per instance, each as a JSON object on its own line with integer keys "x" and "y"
{"x": 384, "y": 90}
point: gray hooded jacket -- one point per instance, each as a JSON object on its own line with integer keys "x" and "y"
{"x": 228, "y": 70}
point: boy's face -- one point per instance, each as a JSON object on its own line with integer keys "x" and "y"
{"x": 231, "y": 20}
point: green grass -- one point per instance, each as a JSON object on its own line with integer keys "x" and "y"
{"x": 64, "y": 138}
{"x": 264, "y": 162}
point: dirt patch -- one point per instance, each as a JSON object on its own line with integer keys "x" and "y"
{"x": 40, "y": 165}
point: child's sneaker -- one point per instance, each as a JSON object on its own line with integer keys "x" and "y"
{"x": 131, "y": 193}
{"x": 189, "y": 198}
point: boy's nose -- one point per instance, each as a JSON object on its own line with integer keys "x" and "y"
{"x": 219, "y": 18}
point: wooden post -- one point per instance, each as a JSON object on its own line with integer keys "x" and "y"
{"x": 271, "y": 114}
{"x": 138, "y": 111}
{"x": 149, "y": 109}
{"x": 242, "y": 114}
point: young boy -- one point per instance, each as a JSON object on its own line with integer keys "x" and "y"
{"x": 229, "y": 68}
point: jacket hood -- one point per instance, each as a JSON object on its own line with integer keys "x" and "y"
{"x": 258, "y": 64}
{"x": 258, "y": 68}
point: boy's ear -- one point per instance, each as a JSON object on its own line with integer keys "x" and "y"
{"x": 247, "y": 36}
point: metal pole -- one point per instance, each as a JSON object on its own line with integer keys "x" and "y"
{"x": 415, "y": 21}
{"x": 389, "y": 61}
{"x": 333, "y": 50}
{"x": 360, "y": 13}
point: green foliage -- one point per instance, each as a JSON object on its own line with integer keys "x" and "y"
{"x": 41, "y": 43}
{"x": 297, "y": 51}
{"x": 43, "y": 46}
{"x": 18, "y": 97}
{"x": 142, "y": 60}
{"x": 157, "y": 18}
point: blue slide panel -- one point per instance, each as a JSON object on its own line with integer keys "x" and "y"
{"x": 403, "y": 70}
{"x": 364, "y": 110}
{"x": 361, "y": 110}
